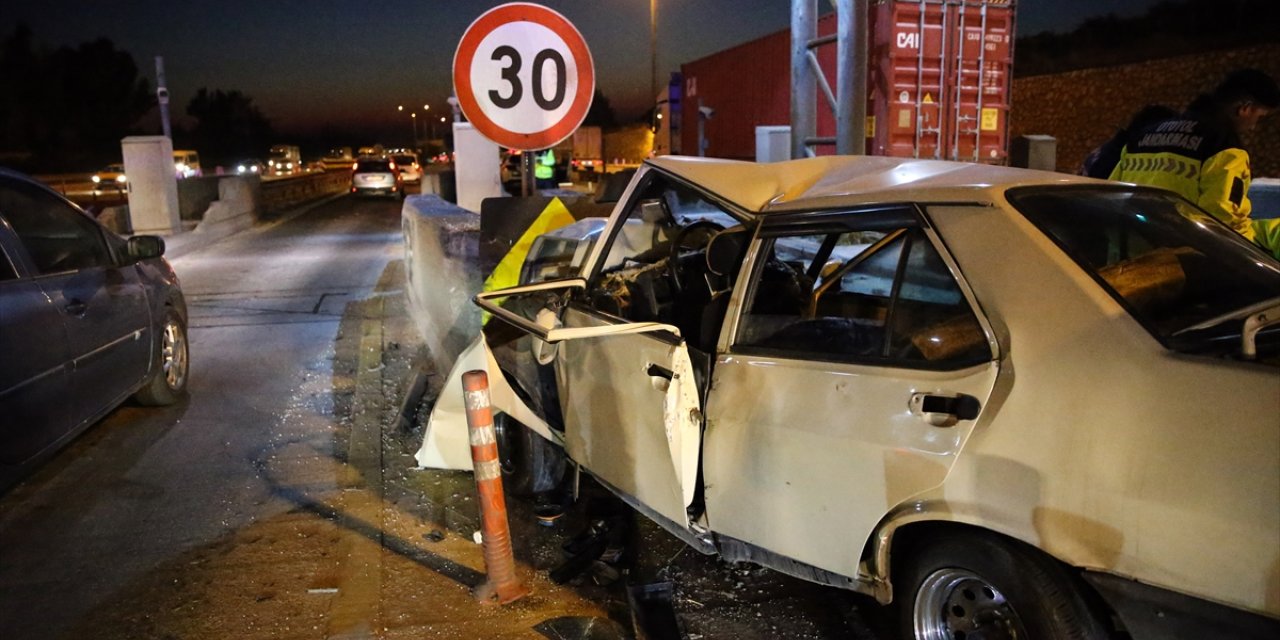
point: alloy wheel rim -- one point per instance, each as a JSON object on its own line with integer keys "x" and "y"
{"x": 954, "y": 604}
{"x": 174, "y": 356}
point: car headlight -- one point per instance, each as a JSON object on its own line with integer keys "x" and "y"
{"x": 254, "y": 168}
{"x": 121, "y": 179}
{"x": 96, "y": 179}
{"x": 289, "y": 166}
{"x": 241, "y": 169}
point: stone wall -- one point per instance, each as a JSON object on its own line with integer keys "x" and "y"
{"x": 1084, "y": 108}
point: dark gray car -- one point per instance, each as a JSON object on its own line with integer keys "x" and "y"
{"x": 87, "y": 320}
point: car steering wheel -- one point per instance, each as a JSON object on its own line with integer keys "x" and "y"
{"x": 681, "y": 241}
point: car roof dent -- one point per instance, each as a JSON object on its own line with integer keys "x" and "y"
{"x": 832, "y": 181}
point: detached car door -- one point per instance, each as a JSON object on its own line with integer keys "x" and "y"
{"x": 102, "y": 305}
{"x": 855, "y": 371}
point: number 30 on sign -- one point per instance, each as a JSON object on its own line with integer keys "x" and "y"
{"x": 523, "y": 76}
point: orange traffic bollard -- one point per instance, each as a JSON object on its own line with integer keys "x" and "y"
{"x": 502, "y": 584}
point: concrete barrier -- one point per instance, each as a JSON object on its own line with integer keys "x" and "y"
{"x": 196, "y": 194}
{"x": 235, "y": 209}
{"x": 441, "y": 254}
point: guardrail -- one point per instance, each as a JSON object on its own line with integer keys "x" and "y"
{"x": 281, "y": 194}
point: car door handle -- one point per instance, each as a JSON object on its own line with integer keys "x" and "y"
{"x": 75, "y": 307}
{"x": 659, "y": 377}
{"x": 942, "y": 410}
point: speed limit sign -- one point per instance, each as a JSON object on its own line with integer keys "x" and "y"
{"x": 523, "y": 76}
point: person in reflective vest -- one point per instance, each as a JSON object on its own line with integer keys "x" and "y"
{"x": 545, "y": 169}
{"x": 1199, "y": 155}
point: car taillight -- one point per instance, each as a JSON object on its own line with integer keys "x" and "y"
{"x": 393, "y": 166}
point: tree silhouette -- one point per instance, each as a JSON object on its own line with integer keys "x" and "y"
{"x": 600, "y": 114}
{"x": 228, "y": 126}
{"x": 68, "y": 108}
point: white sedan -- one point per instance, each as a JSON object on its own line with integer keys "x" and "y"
{"x": 1010, "y": 403}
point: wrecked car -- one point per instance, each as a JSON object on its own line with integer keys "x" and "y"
{"x": 1007, "y": 403}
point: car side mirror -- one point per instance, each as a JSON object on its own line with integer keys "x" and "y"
{"x": 143, "y": 247}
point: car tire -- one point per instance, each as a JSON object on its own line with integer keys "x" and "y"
{"x": 973, "y": 584}
{"x": 530, "y": 464}
{"x": 171, "y": 372}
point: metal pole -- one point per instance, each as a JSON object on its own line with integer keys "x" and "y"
{"x": 804, "y": 87}
{"x": 653, "y": 51}
{"x": 162, "y": 96}
{"x": 851, "y": 76}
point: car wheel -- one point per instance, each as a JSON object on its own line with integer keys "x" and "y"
{"x": 529, "y": 463}
{"x": 172, "y": 368}
{"x": 975, "y": 585}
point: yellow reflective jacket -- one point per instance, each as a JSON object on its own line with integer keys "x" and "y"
{"x": 1198, "y": 159}
{"x": 545, "y": 168}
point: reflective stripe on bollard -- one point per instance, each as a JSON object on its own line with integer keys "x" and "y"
{"x": 502, "y": 585}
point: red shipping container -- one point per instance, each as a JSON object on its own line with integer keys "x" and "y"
{"x": 938, "y": 85}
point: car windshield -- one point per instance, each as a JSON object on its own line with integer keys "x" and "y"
{"x": 1173, "y": 266}
{"x": 114, "y": 168}
{"x": 367, "y": 166}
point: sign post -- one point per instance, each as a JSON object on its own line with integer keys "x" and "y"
{"x": 523, "y": 76}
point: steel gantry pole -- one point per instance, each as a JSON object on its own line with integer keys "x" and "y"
{"x": 848, "y": 102}
{"x": 804, "y": 87}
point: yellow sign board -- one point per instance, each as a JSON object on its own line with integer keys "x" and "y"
{"x": 990, "y": 119}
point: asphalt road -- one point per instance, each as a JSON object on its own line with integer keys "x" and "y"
{"x": 280, "y": 499}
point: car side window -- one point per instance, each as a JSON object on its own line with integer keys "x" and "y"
{"x": 57, "y": 237}
{"x": 883, "y": 296}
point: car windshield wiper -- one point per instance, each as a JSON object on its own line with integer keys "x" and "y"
{"x": 1238, "y": 314}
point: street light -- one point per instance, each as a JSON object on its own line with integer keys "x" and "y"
{"x": 413, "y": 118}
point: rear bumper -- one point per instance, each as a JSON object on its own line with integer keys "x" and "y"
{"x": 1153, "y": 613}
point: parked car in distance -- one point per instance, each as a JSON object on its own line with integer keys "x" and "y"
{"x": 376, "y": 176}
{"x": 186, "y": 164}
{"x": 87, "y": 320}
{"x": 1008, "y": 403}
{"x": 407, "y": 163}
{"x": 110, "y": 179}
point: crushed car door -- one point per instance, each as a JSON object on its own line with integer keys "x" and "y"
{"x": 851, "y": 380}
{"x": 630, "y": 402}
{"x": 627, "y": 388}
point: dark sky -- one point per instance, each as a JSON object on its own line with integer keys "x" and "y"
{"x": 307, "y": 63}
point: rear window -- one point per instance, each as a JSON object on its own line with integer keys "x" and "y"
{"x": 1174, "y": 267}
{"x": 369, "y": 166}
{"x": 404, "y": 160}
